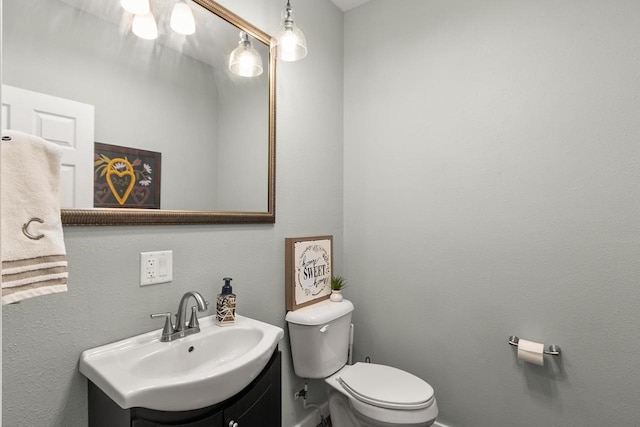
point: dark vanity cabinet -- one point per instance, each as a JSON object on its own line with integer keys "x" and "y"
{"x": 259, "y": 404}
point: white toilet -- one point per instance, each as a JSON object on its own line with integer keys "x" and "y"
{"x": 362, "y": 394}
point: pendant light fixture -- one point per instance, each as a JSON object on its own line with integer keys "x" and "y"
{"x": 137, "y": 7}
{"x": 245, "y": 61}
{"x": 145, "y": 27}
{"x": 182, "y": 21}
{"x": 289, "y": 40}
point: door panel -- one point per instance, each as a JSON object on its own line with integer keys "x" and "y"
{"x": 65, "y": 122}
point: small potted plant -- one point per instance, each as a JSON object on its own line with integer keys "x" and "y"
{"x": 337, "y": 285}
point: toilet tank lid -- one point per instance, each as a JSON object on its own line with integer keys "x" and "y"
{"x": 320, "y": 313}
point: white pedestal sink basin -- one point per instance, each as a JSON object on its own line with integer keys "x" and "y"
{"x": 190, "y": 373}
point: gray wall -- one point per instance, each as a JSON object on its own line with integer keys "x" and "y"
{"x": 44, "y": 337}
{"x": 242, "y": 165}
{"x": 491, "y": 188}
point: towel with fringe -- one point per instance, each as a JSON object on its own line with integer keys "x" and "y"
{"x": 34, "y": 259}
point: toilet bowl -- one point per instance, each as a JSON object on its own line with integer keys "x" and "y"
{"x": 367, "y": 394}
{"x": 363, "y": 394}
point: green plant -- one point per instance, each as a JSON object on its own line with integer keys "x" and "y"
{"x": 338, "y": 283}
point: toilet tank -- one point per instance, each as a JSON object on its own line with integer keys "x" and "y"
{"x": 319, "y": 337}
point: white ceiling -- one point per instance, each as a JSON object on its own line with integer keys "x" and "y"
{"x": 345, "y": 5}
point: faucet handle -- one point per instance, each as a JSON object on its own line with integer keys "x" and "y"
{"x": 193, "y": 322}
{"x": 168, "y": 325}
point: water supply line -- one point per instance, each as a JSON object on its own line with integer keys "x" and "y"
{"x": 303, "y": 393}
{"x": 350, "y": 359}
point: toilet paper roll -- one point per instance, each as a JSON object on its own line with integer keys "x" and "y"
{"x": 531, "y": 352}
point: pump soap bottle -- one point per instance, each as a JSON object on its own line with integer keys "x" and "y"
{"x": 226, "y": 305}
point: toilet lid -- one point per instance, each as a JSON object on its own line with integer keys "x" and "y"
{"x": 386, "y": 387}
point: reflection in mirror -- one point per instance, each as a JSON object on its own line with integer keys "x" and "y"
{"x": 75, "y": 74}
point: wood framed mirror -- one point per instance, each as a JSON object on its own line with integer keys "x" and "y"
{"x": 174, "y": 96}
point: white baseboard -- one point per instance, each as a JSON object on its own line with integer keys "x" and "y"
{"x": 313, "y": 419}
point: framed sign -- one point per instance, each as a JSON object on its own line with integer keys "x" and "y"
{"x": 308, "y": 268}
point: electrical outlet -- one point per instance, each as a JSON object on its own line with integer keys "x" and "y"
{"x": 156, "y": 267}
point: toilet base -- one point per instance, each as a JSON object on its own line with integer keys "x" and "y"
{"x": 343, "y": 414}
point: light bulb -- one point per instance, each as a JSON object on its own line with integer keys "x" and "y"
{"x": 137, "y": 7}
{"x": 245, "y": 64}
{"x": 145, "y": 27}
{"x": 288, "y": 43}
{"x": 182, "y": 20}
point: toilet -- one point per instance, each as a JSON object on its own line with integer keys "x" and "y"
{"x": 362, "y": 394}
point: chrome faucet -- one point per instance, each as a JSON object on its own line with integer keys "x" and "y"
{"x": 181, "y": 316}
{"x": 182, "y": 328}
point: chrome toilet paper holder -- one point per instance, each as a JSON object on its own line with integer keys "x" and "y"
{"x": 552, "y": 350}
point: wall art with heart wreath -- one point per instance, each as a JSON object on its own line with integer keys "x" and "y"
{"x": 126, "y": 177}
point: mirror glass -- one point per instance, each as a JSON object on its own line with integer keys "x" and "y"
{"x": 198, "y": 140}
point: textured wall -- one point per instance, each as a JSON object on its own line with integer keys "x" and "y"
{"x": 44, "y": 337}
{"x": 491, "y": 188}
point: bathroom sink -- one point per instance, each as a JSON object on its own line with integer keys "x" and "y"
{"x": 189, "y": 373}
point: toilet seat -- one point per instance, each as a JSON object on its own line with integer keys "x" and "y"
{"x": 386, "y": 387}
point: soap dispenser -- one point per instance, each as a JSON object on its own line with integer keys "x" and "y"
{"x": 226, "y": 304}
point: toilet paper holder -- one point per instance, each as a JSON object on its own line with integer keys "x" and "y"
{"x": 552, "y": 350}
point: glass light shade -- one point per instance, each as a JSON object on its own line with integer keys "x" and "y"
{"x": 182, "y": 21}
{"x": 137, "y": 7}
{"x": 291, "y": 44}
{"x": 145, "y": 27}
{"x": 245, "y": 61}
{"x": 289, "y": 41}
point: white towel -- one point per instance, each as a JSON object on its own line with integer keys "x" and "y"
{"x": 30, "y": 205}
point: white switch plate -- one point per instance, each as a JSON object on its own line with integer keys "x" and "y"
{"x": 156, "y": 267}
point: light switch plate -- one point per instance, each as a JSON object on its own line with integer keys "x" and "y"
{"x": 156, "y": 267}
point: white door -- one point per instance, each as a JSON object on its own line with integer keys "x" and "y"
{"x": 67, "y": 123}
